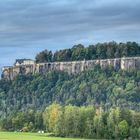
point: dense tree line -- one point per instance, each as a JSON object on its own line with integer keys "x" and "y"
{"x": 98, "y": 51}
{"x": 73, "y": 121}
{"x": 28, "y": 120}
{"x": 91, "y": 122}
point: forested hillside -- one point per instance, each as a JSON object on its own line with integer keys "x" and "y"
{"x": 104, "y": 87}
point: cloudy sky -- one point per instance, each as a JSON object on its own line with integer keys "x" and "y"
{"x": 29, "y": 26}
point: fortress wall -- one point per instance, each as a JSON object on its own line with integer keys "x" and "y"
{"x": 130, "y": 63}
{"x": 72, "y": 67}
{"x": 137, "y": 63}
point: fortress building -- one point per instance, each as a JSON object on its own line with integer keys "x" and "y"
{"x": 24, "y": 62}
{"x": 27, "y": 66}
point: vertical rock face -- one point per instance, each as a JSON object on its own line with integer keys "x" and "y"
{"x": 72, "y": 67}
{"x": 130, "y": 63}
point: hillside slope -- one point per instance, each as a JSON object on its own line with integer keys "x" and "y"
{"x": 94, "y": 87}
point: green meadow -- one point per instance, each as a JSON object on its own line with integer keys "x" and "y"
{"x": 30, "y": 136}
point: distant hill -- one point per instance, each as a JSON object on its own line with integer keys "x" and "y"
{"x": 101, "y": 102}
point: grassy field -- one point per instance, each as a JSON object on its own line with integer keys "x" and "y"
{"x": 29, "y": 136}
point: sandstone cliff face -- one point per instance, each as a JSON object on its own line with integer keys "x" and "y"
{"x": 72, "y": 67}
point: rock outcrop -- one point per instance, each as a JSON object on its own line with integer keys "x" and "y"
{"x": 29, "y": 66}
